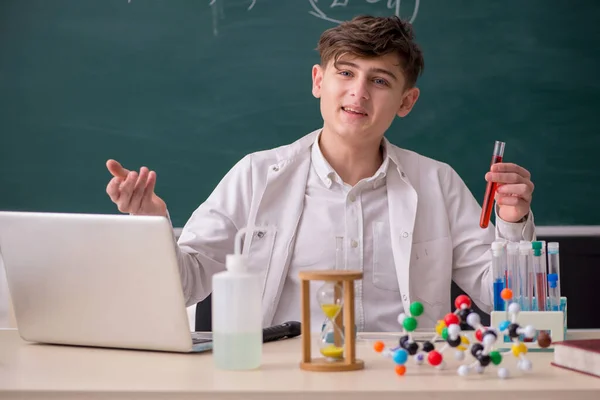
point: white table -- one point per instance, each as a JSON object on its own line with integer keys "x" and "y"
{"x": 36, "y": 371}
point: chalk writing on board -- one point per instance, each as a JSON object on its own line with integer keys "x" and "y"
{"x": 316, "y": 10}
{"x": 342, "y": 3}
{"x": 218, "y": 13}
{"x": 391, "y": 5}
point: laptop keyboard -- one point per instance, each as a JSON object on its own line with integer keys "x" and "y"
{"x": 198, "y": 337}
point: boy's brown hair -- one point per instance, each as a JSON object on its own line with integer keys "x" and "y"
{"x": 367, "y": 36}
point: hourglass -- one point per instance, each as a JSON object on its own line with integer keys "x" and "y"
{"x": 337, "y": 343}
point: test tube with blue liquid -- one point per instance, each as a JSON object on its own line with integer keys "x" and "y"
{"x": 498, "y": 270}
{"x": 553, "y": 276}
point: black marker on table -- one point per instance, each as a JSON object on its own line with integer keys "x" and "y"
{"x": 286, "y": 330}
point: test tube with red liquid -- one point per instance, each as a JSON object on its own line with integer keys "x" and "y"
{"x": 490, "y": 190}
{"x": 539, "y": 269}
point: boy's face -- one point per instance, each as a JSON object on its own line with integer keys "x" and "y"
{"x": 361, "y": 97}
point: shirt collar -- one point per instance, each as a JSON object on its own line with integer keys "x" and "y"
{"x": 328, "y": 175}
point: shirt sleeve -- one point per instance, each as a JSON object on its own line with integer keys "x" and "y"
{"x": 515, "y": 231}
{"x": 472, "y": 261}
{"x": 209, "y": 234}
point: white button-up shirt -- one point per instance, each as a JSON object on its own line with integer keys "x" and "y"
{"x": 345, "y": 227}
{"x": 432, "y": 222}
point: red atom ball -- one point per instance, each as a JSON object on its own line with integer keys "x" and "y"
{"x": 479, "y": 334}
{"x": 434, "y": 358}
{"x": 450, "y": 319}
{"x": 462, "y": 299}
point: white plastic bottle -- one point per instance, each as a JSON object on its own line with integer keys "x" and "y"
{"x": 237, "y": 314}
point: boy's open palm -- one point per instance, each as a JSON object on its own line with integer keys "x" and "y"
{"x": 132, "y": 192}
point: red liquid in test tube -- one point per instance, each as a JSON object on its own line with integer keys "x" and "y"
{"x": 490, "y": 190}
{"x": 540, "y": 295}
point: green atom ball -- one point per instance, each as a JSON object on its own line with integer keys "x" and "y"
{"x": 496, "y": 357}
{"x": 410, "y": 324}
{"x": 445, "y": 333}
{"x": 416, "y": 309}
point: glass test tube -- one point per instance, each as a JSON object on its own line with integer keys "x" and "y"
{"x": 553, "y": 276}
{"x": 540, "y": 276}
{"x": 525, "y": 276}
{"x": 490, "y": 190}
{"x": 512, "y": 270}
{"x": 545, "y": 270}
{"x": 498, "y": 271}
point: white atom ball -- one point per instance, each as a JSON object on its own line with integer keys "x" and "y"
{"x": 463, "y": 370}
{"x": 530, "y": 331}
{"x": 525, "y": 365}
{"x": 473, "y": 319}
{"x": 401, "y": 318}
{"x": 453, "y": 330}
{"x": 489, "y": 340}
{"x": 503, "y": 373}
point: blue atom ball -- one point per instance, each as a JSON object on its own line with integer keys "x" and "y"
{"x": 400, "y": 356}
{"x": 504, "y": 325}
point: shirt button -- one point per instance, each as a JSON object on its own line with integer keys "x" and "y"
{"x": 405, "y": 234}
{"x": 404, "y": 297}
{"x": 354, "y": 243}
{"x": 352, "y": 198}
{"x": 403, "y": 174}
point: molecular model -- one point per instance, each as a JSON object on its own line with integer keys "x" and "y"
{"x": 449, "y": 330}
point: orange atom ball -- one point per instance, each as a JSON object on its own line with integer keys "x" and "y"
{"x": 400, "y": 369}
{"x": 506, "y": 294}
{"x": 378, "y": 346}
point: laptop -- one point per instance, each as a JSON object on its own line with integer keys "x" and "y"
{"x": 96, "y": 280}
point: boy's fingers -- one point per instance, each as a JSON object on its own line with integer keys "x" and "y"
{"x": 116, "y": 169}
{"x": 138, "y": 191}
{"x": 112, "y": 189}
{"x": 126, "y": 190}
{"x": 150, "y": 185}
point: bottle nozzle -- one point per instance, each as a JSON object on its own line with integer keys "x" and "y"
{"x": 237, "y": 261}
{"x": 238, "y": 242}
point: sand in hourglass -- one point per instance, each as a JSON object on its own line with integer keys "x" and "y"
{"x": 331, "y": 351}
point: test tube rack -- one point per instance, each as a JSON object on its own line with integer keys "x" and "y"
{"x": 553, "y": 321}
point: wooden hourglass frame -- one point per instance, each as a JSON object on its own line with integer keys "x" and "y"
{"x": 345, "y": 280}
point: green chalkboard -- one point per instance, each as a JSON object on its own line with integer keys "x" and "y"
{"x": 187, "y": 88}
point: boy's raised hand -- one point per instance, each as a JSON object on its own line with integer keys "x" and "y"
{"x": 134, "y": 193}
{"x": 515, "y": 190}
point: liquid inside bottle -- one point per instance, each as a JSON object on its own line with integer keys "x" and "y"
{"x": 237, "y": 351}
